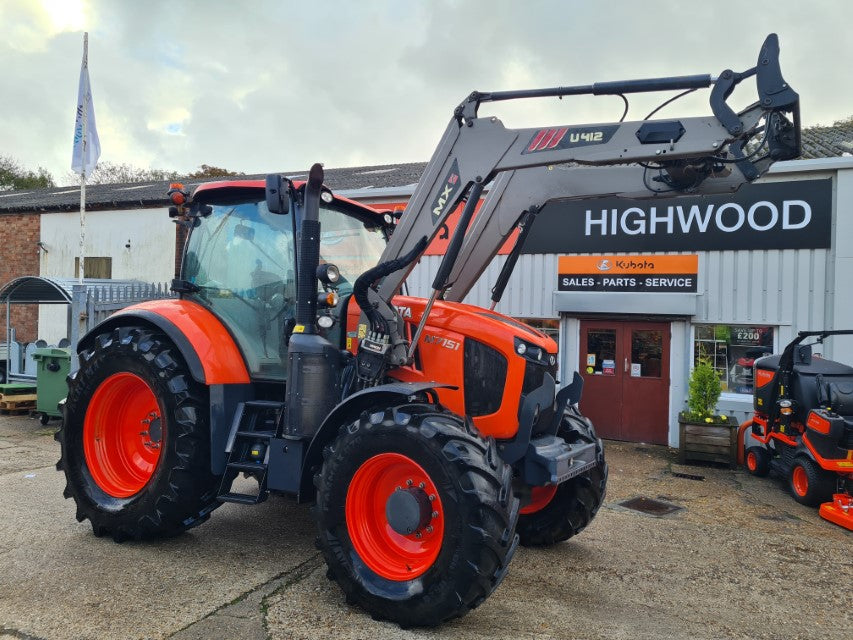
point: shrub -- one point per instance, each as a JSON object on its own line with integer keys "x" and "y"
{"x": 703, "y": 393}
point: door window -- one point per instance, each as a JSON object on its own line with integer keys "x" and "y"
{"x": 646, "y": 353}
{"x": 601, "y": 352}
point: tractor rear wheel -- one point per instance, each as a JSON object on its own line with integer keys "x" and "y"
{"x": 809, "y": 484}
{"x": 416, "y": 515}
{"x": 558, "y": 513}
{"x": 757, "y": 461}
{"x": 135, "y": 439}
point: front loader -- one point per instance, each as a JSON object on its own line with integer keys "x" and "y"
{"x": 431, "y": 436}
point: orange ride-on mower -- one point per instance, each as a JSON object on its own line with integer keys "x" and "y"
{"x": 803, "y": 426}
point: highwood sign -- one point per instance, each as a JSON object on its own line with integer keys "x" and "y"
{"x": 628, "y": 273}
{"x": 778, "y": 215}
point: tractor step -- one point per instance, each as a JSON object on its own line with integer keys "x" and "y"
{"x": 255, "y": 424}
{"x": 256, "y": 434}
{"x": 241, "y": 498}
{"x": 247, "y": 467}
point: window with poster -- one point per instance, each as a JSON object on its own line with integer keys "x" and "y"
{"x": 732, "y": 350}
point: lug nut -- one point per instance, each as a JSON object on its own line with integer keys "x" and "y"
{"x": 422, "y": 485}
{"x": 429, "y": 528}
{"x": 431, "y": 497}
{"x": 435, "y": 514}
{"x": 418, "y": 535}
{"x": 409, "y": 483}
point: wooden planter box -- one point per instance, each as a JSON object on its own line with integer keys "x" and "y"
{"x": 710, "y": 442}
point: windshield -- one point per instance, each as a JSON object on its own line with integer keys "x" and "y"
{"x": 242, "y": 258}
{"x": 351, "y": 244}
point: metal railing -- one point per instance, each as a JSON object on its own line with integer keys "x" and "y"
{"x": 91, "y": 305}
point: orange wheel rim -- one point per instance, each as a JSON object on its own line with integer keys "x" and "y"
{"x": 540, "y": 497}
{"x": 751, "y": 461}
{"x": 801, "y": 481}
{"x": 387, "y": 552}
{"x": 122, "y": 435}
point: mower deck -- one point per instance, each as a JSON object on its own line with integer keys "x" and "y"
{"x": 839, "y": 510}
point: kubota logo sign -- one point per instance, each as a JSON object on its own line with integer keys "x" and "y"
{"x": 662, "y": 274}
{"x": 779, "y": 215}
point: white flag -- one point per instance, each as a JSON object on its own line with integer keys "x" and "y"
{"x": 92, "y": 145}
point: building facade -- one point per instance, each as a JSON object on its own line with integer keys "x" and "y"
{"x": 633, "y": 292}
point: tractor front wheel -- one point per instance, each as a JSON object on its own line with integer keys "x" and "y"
{"x": 135, "y": 438}
{"x": 556, "y": 513}
{"x": 416, "y": 515}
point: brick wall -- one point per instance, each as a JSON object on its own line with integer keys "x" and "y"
{"x": 19, "y": 256}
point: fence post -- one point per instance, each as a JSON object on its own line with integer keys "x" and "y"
{"x": 78, "y": 321}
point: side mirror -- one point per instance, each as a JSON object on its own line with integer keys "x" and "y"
{"x": 276, "y": 192}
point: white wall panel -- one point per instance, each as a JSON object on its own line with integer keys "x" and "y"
{"x": 150, "y": 257}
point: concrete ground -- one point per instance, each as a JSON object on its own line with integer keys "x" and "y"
{"x": 742, "y": 560}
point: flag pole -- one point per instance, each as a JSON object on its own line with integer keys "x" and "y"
{"x": 86, "y": 98}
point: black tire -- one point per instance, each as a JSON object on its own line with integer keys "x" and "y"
{"x": 819, "y": 484}
{"x": 479, "y": 514}
{"x": 44, "y": 418}
{"x": 757, "y": 461}
{"x": 576, "y": 501}
{"x": 181, "y": 491}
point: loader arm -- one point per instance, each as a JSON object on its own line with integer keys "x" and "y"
{"x": 533, "y": 165}
{"x": 528, "y": 167}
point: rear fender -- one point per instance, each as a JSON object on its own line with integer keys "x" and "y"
{"x": 207, "y": 347}
{"x": 348, "y": 411}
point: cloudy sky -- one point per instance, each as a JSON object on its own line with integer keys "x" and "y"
{"x": 277, "y": 85}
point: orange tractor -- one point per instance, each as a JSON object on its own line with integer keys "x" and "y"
{"x": 802, "y": 429}
{"x": 430, "y": 435}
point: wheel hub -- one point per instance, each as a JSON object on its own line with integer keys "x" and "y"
{"x": 408, "y": 511}
{"x": 122, "y": 435}
{"x": 394, "y": 516}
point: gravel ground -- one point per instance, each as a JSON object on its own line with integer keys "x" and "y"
{"x": 741, "y": 560}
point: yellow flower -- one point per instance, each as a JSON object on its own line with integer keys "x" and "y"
{"x": 724, "y": 417}
{"x": 708, "y": 420}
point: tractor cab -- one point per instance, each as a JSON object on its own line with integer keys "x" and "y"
{"x": 240, "y": 263}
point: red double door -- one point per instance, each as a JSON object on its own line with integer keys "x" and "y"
{"x": 625, "y": 366}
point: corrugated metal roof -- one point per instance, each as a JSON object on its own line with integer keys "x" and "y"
{"x": 153, "y": 194}
{"x": 40, "y": 290}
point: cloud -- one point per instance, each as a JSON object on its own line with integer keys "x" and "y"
{"x": 268, "y": 86}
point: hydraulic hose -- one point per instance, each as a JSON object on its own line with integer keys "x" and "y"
{"x": 361, "y": 284}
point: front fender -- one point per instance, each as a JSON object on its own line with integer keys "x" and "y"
{"x": 207, "y": 347}
{"x": 347, "y": 411}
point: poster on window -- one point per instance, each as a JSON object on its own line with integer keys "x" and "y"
{"x": 732, "y": 350}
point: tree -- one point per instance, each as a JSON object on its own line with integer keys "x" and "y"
{"x": 14, "y": 177}
{"x": 209, "y": 171}
{"x": 115, "y": 173}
